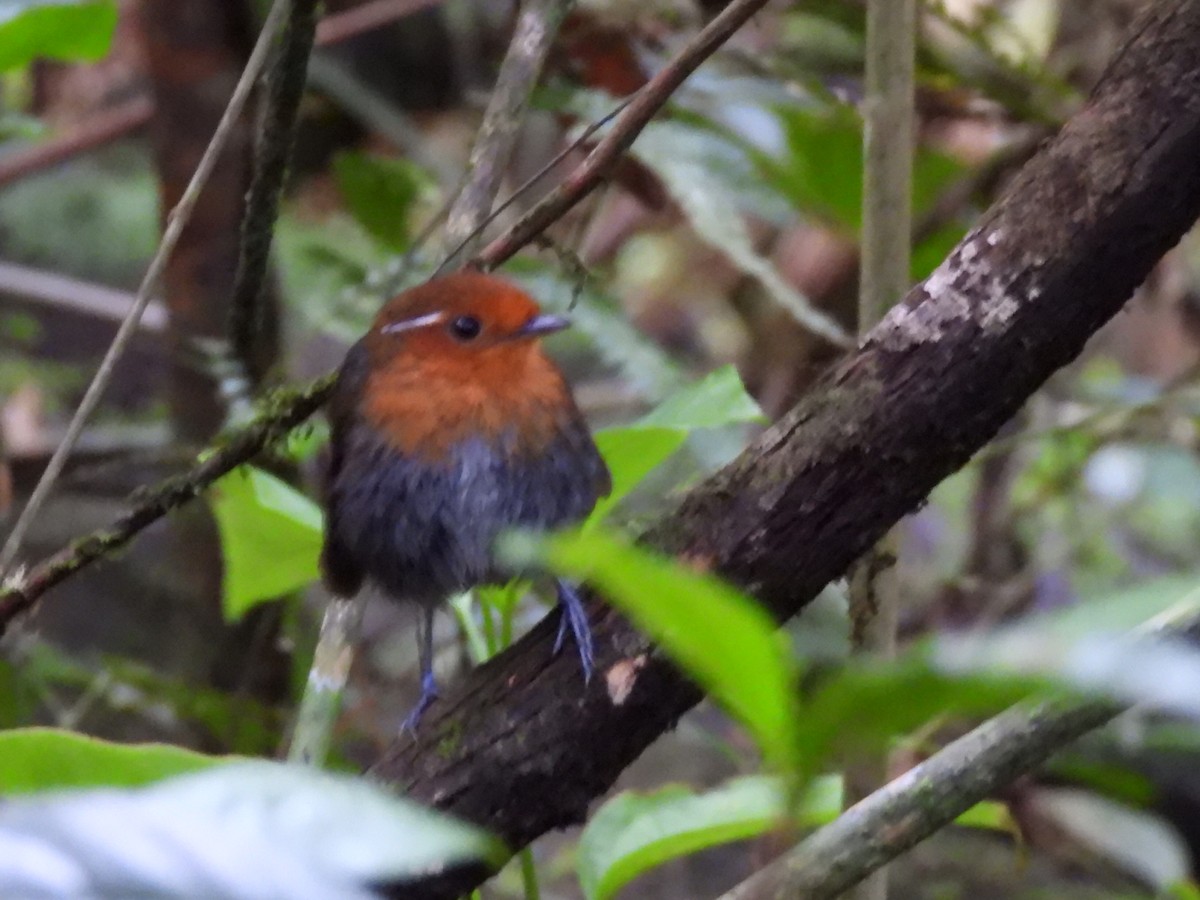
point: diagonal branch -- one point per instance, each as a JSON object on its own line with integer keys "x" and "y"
{"x": 924, "y": 799}
{"x": 522, "y": 747}
{"x": 537, "y": 26}
{"x": 629, "y": 124}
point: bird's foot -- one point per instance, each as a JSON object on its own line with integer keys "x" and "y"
{"x": 575, "y": 616}
{"x": 429, "y": 693}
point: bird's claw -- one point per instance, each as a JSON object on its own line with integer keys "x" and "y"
{"x": 574, "y": 615}
{"x": 429, "y": 693}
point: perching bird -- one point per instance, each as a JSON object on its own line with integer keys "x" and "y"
{"x": 451, "y": 425}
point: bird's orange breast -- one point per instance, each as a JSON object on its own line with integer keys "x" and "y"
{"x": 426, "y": 406}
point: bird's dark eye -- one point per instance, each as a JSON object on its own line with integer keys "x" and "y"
{"x": 465, "y": 328}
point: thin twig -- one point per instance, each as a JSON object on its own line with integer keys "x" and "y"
{"x": 533, "y": 179}
{"x": 81, "y": 297}
{"x": 21, "y": 590}
{"x": 342, "y": 26}
{"x": 285, "y": 86}
{"x": 925, "y": 799}
{"x": 536, "y": 28}
{"x": 649, "y": 100}
{"x": 176, "y": 221}
{"x": 95, "y": 131}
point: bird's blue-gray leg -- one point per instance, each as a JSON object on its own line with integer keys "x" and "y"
{"x": 429, "y": 691}
{"x": 575, "y": 616}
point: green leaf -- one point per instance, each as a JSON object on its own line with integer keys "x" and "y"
{"x": 719, "y": 398}
{"x": 820, "y": 171}
{"x": 381, "y": 193}
{"x": 42, "y": 759}
{"x": 854, "y": 711}
{"x": 1121, "y": 610}
{"x": 632, "y": 452}
{"x": 724, "y": 640}
{"x": 990, "y": 815}
{"x": 270, "y": 538}
{"x": 63, "y": 30}
{"x": 633, "y": 832}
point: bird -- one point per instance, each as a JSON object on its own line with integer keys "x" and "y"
{"x": 449, "y": 424}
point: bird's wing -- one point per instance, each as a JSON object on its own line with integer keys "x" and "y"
{"x": 342, "y": 409}
{"x": 342, "y": 575}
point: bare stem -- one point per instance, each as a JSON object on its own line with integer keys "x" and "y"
{"x": 327, "y": 680}
{"x": 884, "y": 278}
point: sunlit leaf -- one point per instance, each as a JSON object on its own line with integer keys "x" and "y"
{"x": 270, "y": 538}
{"x": 65, "y": 30}
{"x": 634, "y": 832}
{"x": 41, "y": 759}
{"x": 249, "y": 829}
{"x": 724, "y": 640}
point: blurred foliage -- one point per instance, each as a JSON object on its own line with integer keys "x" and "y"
{"x": 32, "y": 29}
{"x": 45, "y": 759}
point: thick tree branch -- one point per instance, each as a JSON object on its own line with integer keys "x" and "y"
{"x": 522, "y": 747}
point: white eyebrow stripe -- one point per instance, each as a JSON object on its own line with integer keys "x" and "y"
{"x": 413, "y": 323}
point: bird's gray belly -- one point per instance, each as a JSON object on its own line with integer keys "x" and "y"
{"x": 423, "y": 532}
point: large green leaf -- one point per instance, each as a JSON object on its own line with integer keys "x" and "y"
{"x": 724, "y": 640}
{"x": 270, "y": 538}
{"x": 633, "y": 832}
{"x": 58, "y": 29}
{"x": 42, "y": 759}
